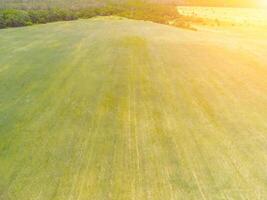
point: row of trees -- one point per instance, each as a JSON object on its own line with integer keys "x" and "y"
{"x": 141, "y": 11}
{"x": 17, "y": 18}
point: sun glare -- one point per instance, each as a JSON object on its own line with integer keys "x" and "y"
{"x": 263, "y": 3}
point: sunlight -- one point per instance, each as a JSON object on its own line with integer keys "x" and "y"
{"x": 263, "y": 3}
{"x": 227, "y": 16}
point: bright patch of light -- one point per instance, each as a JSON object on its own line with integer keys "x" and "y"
{"x": 263, "y": 3}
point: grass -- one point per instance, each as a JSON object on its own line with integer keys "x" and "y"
{"x": 113, "y": 108}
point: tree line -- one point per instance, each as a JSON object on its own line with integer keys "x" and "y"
{"x": 17, "y": 18}
{"x": 164, "y": 14}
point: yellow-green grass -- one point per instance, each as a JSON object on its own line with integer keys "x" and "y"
{"x": 122, "y": 109}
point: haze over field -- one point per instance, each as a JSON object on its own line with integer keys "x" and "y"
{"x": 221, "y": 16}
{"x": 236, "y": 3}
{"x": 111, "y": 108}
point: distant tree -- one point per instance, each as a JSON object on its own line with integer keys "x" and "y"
{"x": 140, "y": 10}
{"x": 38, "y": 16}
{"x": 2, "y": 21}
{"x": 16, "y": 18}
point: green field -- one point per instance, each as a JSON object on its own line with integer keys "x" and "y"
{"x": 117, "y": 109}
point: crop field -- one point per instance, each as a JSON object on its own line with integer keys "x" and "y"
{"x": 118, "y": 109}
